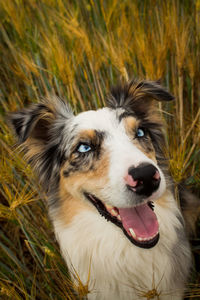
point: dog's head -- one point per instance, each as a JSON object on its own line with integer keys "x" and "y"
{"x": 109, "y": 159}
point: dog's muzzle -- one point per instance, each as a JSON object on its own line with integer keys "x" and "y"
{"x": 144, "y": 180}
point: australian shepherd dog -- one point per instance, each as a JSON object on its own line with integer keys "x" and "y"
{"x": 110, "y": 196}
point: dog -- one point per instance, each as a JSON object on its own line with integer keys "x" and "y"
{"x": 110, "y": 195}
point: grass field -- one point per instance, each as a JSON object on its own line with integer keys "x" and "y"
{"x": 78, "y": 50}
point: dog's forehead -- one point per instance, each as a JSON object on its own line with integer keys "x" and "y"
{"x": 102, "y": 119}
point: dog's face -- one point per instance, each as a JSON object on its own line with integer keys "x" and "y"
{"x": 109, "y": 159}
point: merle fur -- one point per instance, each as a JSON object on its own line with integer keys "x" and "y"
{"x": 132, "y": 96}
{"x": 85, "y": 162}
{"x": 135, "y": 98}
{"x": 47, "y": 125}
{"x": 43, "y": 125}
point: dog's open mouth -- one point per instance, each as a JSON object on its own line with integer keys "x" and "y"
{"x": 138, "y": 223}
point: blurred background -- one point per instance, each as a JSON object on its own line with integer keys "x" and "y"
{"x": 78, "y": 50}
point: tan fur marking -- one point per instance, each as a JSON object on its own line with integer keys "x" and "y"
{"x": 71, "y": 188}
{"x": 70, "y": 206}
{"x": 34, "y": 147}
{"x": 78, "y": 179}
{"x": 84, "y": 135}
{"x": 87, "y": 134}
{"x": 131, "y": 124}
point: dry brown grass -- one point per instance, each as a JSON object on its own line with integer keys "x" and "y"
{"x": 77, "y": 50}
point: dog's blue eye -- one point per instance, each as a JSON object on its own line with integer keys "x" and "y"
{"x": 83, "y": 148}
{"x": 140, "y": 132}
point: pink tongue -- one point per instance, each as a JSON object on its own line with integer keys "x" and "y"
{"x": 141, "y": 219}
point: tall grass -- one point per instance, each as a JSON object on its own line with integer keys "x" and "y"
{"x": 78, "y": 50}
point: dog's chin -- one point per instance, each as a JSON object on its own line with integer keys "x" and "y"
{"x": 138, "y": 223}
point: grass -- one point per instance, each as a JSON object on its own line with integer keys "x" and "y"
{"x": 78, "y": 50}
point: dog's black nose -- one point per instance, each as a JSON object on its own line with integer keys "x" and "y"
{"x": 146, "y": 178}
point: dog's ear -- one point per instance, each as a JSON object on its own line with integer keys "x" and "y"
{"x": 136, "y": 95}
{"x": 36, "y": 120}
{"x": 42, "y": 131}
{"x": 153, "y": 90}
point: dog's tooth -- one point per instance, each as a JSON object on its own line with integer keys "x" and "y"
{"x": 119, "y": 218}
{"x": 155, "y": 234}
{"x": 114, "y": 212}
{"x": 132, "y": 232}
{"x": 145, "y": 239}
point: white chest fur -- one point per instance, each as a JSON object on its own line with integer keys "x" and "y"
{"x": 119, "y": 269}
